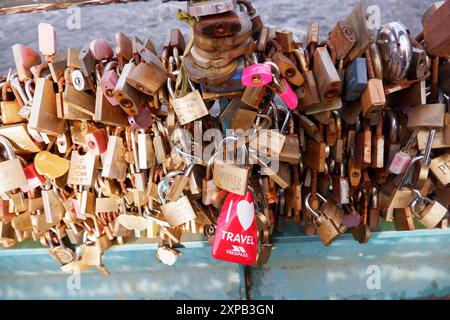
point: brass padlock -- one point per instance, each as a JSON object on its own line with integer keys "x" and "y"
{"x": 227, "y": 175}
{"x": 431, "y": 215}
{"x": 176, "y": 212}
{"x": 327, "y": 230}
{"x": 9, "y": 108}
{"x": 43, "y": 116}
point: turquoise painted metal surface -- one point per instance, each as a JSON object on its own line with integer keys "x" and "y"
{"x": 410, "y": 264}
{"x": 135, "y": 274}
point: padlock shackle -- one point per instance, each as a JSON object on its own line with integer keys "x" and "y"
{"x": 8, "y": 147}
{"x": 232, "y": 138}
{"x": 393, "y": 125}
{"x": 194, "y": 159}
{"x": 275, "y": 69}
{"x": 308, "y": 205}
{"x": 408, "y": 171}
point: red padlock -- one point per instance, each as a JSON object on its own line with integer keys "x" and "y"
{"x": 236, "y": 238}
{"x": 97, "y": 141}
{"x": 33, "y": 177}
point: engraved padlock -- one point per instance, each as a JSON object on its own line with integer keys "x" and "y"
{"x": 176, "y": 212}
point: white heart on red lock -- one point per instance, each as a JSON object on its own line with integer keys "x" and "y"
{"x": 245, "y": 213}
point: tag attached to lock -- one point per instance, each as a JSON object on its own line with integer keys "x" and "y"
{"x": 236, "y": 234}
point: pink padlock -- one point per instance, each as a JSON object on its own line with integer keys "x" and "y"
{"x": 142, "y": 121}
{"x": 108, "y": 83}
{"x": 33, "y": 177}
{"x": 47, "y": 39}
{"x": 97, "y": 141}
{"x": 101, "y": 50}
{"x": 286, "y": 94}
{"x": 257, "y": 75}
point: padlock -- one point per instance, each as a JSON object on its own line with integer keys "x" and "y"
{"x": 80, "y": 100}
{"x": 402, "y": 158}
{"x": 257, "y": 75}
{"x": 146, "y": 151}
{"x": 288, "y": 69}
{"x": 343, "y": 38}
{"x": 97, "y": 141}
{"x": 356, "y": 79}
{"x": 107, "y": 83}
{"x": 101, "y": 50}
{"x": 106, "y": 113}
{"x": 129, "y": 98}
{"x": 283, "y": 89}
{"x": 286, "y": 40}
{"x": 396, "y": 50}
{"x": 236, "y": 233}
{"x": 316, "y": 155}
{"x": 440, "y": 167}
{"x": 227, "y": 175}
{"x": 237, "y": 115}
{"x": 147, "y": 77}
{"x": 428, "y": 115}
{"x": 12, "y": 175}
{"x": 327, "y": 78}
{"x": 87, "y": 62}
{"x": 9, "y": 108}
{"x": 188, "y": 108}
{"x": 208, "y": 185}
{"x": 362, "y": 232}
{"x": 43, "y": 116}
{"x": 437, "y": 38}
{"x": 142, "y": 121}
{"x": 341, "y": 186}
{"x": 363, "y": 27}
{"x": 82, "y": 169}
{"x": 327, "y": 230}
{"x": 402, "y": 197}
{"x": 25, "y": 58}
{"x": 47, "y": 39}
{"x": 363, "y": 148}
{"x": 418, "y": 67}
{"x": 308, "y": 92}
{"x": 53, "y": 207}
{"x": 431, "y": 214}
{"x": 373, "y": 99}
{"x": 176, "y": 212}
{"x": 34, "y": 179}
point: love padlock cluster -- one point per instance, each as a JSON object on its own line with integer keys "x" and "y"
{"x": 105, "y": 144}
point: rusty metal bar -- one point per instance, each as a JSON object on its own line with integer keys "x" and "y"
{"x": 27, "y": 6}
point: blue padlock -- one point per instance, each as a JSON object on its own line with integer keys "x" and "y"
{"x": 356, "y": 80}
